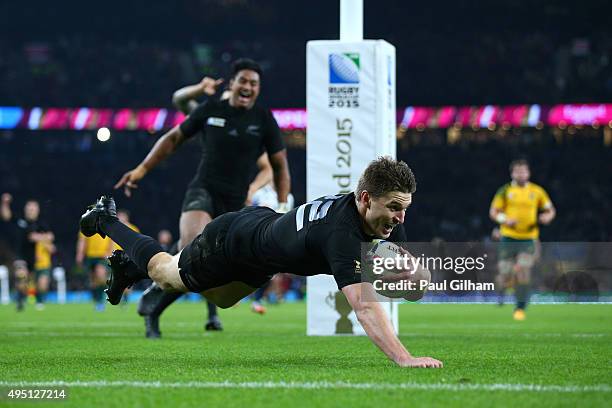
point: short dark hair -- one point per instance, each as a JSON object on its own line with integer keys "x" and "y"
{"x": 384, "y": 175}
{"x": 518, "y": 162}
{"x": 245, "y": 63}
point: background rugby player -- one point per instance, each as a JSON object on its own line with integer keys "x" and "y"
{"x": 34, "y": 248}
{"x": 234, "y": 133}
{"x": 518, "y": 207}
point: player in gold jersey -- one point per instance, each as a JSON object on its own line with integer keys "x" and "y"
{"x": 91, "y": 254}
{"x": 518, "y": 207}
{"x": 43, "y": 251}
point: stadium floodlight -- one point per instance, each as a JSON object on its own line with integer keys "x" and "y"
{"x": 103, "y": 134}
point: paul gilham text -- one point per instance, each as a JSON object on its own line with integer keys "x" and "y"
{"x": 424, "y": 284}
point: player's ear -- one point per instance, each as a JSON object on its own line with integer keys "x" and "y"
{"x": 367, "y": 199}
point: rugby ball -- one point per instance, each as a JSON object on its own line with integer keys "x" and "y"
{"x": 380, "y": 260}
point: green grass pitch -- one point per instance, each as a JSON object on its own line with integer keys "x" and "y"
{"x": 560, "y": 356}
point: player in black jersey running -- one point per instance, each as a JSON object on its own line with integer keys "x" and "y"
{"x": 240, "y": 251}
{"x": 234, "y": 134}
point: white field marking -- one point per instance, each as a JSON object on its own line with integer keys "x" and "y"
{"x": 317, "y": 385}
{"x": 74, "y": 324}
{"x": 511, "y": 335}
{"x": 510, "y": 326}
{"x": 67, "y": 335}
{"x": 541, "y": 302}
{"x": 59, "y": 325}
{"x": 129, "y": 333}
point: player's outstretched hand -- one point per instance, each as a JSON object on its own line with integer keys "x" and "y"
{"x": 128, "y": 180}
{"x": 209, "y": 85}
{"x": 421, "y": 362}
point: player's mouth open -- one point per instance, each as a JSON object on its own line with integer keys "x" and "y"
{"x": 388, "y": 228}
{"x": 244, "y": 96}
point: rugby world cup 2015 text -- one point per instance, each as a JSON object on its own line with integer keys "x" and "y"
{"x": 342, "y": 176}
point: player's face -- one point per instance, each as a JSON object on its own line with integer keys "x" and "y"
{"x": 520, "y": 174}
{"x": 31, "y": 210}
{"x": 164, "y": 237}
{"x": 386, "y": 212}
{"x": 244, "y": 89}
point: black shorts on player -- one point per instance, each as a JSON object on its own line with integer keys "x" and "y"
{"x": 198, "y": 197}
{"x": 215, "y": 203}
{"x": 204, "y": 263}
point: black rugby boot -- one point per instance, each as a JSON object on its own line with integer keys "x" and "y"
{"x": 149, "y": 300}
{"x": 104, "y": 208}
{"x": 213, "y": 324}
{"x": 124, "y": 273}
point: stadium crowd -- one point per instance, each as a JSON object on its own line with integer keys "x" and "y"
{"x": 549, "y": 57}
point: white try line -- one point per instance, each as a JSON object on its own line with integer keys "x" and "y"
{"x": 200, "y": 334}
{"x": 315, "y": 385}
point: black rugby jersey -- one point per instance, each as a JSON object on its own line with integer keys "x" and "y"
{"x": 232, "y": 140}
{"x": 25, "y": 247}
{"x": 323, "y": 236}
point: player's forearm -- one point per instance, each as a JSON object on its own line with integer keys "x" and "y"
{"x": 80, "y": 251}
{"x": 378, "y": 328}
{"x": 497, "y": 216}
{"x": 282, "y": 180}
{"x": 164, "y": 147}
{"x": 552, "y": 213}
{"x": 263, "y": 177}
{"x": 182, "y": 97}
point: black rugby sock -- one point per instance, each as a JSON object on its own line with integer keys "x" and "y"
{"x": 212, "y": 310}
{"x": 139, "y": 248}
{"x": 166, "y": 300}
{"x": 522, "y": 296}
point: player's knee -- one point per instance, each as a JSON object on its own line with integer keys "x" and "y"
{"x": 505, "y": 267}
{"x": 43, "y": 283}
{"x": 523, "y": 275}
{"x": 163, "y": 280}
{"x": 163, "y": 269}
{"x": 525, "y": 261}
{"x": 158, "y": 274}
